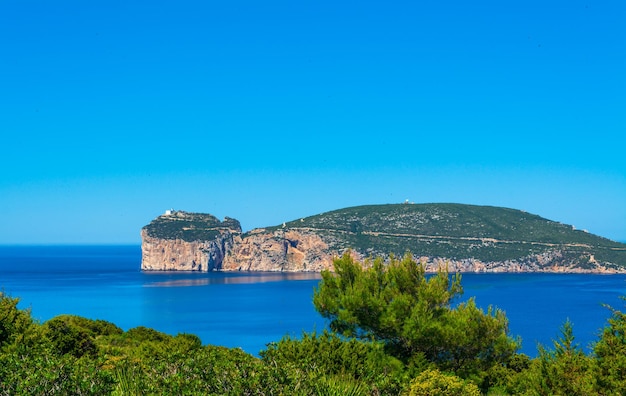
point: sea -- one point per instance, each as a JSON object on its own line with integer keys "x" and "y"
{"x": 249, "y": 310}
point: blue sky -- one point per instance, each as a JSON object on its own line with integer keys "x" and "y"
{"x": 112, "y": 112}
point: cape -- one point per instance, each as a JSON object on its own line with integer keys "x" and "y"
{"x": 461, "y": 238}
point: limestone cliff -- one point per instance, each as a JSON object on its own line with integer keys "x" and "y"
{"x": 463, "y": 238}
{"x": 279, "y": 250}
{"x": 182, "y": 241}
{"x": 179, "y": 255}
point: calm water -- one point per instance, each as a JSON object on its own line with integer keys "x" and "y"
{"x": 248, "y": 310}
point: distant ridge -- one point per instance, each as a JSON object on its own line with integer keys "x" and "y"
{"x": 470, "y": 237}
{"x": 454, "y": 231}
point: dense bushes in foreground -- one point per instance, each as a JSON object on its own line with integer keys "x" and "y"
{"x": 394, "y": 332}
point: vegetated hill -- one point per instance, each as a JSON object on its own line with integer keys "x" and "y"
{"x": 457, "y": 231}
{"x": 190, "y": 227}
{"x": 466, "y": 237}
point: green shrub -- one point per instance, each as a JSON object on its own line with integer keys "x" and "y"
{"x": 610, "y": 352}
{"x": 15, "y": 324}
{"x": 314, "y": 358}
{"x": 68, "y": 338}
{"x": 432, "y": 382}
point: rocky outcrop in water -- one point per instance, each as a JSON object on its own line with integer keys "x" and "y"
{"x": 179, "y": 241}
{"x": 185, "y": 241}
{"x": 182, "y": 241}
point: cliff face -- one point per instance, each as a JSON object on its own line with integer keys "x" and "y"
{"x": 179, "y": 255}
{"x": 280, "y": 250}
{"x": 289, "y": 251}
{"x": 184, "y": 241}
{"x": 181, "y": 241}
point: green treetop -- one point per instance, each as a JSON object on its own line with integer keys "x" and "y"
{"x": 411, "y": 313}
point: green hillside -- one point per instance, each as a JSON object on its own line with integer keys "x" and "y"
{"x": 456, "y": 231}
{"x": 190, "y": 226}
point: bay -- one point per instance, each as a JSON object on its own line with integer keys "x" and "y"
{"x": 250, "y": 310}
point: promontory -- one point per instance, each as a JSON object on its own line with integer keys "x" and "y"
{"x": 464, "y": 238}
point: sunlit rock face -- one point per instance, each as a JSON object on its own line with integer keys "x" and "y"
{"x": 182, "y": 241}
{"x": 279, "y": 250}
{"x": 179, "y": 255}
{"x": 165, "y": 248}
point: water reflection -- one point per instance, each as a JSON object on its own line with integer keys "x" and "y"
{"x": 195, "y": 279}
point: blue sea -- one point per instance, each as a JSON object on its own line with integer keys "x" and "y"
{"x": 250, "y": 310}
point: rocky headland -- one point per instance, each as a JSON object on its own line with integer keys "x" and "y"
{"x": 463, "y": 238}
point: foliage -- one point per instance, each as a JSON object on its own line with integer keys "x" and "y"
{"x": 502, "y": 379}
{"x": 77, "y": 335}
{"x": 566, "y": 369}
{"x": 332, "y": 359}
{"x": 433, "y": 382}
{"x": 610, "y": 352}
{"x": 39, "y": 371}
{"x": 411, "y": 314}
{"x": 96, "y": 327}
{"x": 339, "y": 386}
{"x": 69, "y": 338}
{"x": 563, "y": 370}
{"x": 31, "y": 365}
{"x": 15, "y": 324}
{"x": 412, "y": 341}
{"x": 210, "y": 370}
{"x": 158, "y": 363}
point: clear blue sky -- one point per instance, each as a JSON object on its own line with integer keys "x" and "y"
{"x": 113, "y": 111}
